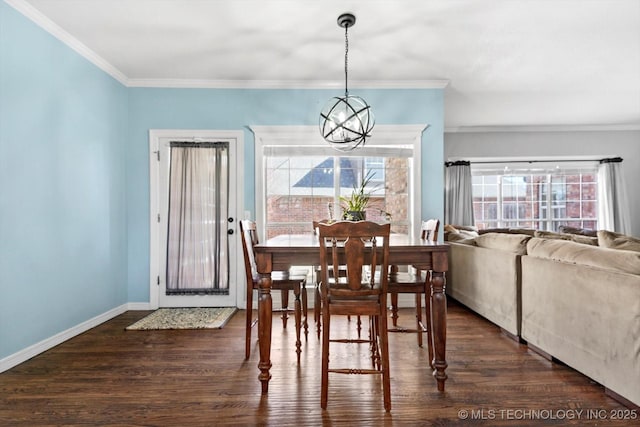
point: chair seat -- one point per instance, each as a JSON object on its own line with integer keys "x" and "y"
{"x": 298, "y": 272}
{"x": 284, "y": 276}
{"x": 407, "y": 282}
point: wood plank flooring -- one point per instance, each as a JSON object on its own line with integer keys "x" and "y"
{"x": 112, "y": 377}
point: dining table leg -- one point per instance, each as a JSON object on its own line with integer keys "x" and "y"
{"x": 439, "y": 322}
{"x": 265, "y": 310}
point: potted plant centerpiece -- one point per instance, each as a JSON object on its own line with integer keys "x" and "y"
{"x": 354, "y": 207}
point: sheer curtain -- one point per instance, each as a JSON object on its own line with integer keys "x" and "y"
{"x": 197, "y": 246}
{"x": 458, "y": 196}
{"x": 613, "y": 210}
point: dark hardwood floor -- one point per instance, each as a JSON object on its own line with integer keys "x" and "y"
{"x": 112, "y": 377}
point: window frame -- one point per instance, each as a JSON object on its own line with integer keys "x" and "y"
{"x": 385, "y": 137}
{"x": 536, "y": 167}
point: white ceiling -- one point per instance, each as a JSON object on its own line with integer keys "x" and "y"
{"x": 504, "y": 62}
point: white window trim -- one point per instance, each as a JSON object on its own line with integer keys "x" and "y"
{"x": 382, "y": 135}
{"x": 532, "y": 166}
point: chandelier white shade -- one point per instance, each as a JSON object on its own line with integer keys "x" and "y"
{"x": 346, "y": 122}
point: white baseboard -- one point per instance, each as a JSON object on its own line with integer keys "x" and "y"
{"x": 46, "y": 344}
{"x": 139, "y": 306}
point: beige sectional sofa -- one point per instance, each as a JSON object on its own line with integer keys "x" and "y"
{"x": 577, "y": 302}
{"x": 484, "y": 275}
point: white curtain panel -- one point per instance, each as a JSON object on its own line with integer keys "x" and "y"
{"x": 613, "y": 209}
{"x": 458, "y": 196}
{"x": 197, "y": 246}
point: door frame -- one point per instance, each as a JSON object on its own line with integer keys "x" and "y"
{"x": 236, "y": 141}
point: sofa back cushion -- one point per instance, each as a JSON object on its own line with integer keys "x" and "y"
{"x": 527, "y": 231}
{"x": 576, "y": 253}
{"x": 585, "y": 240}
{"x": 455, "y": 228}
{"x": 460, "y": 238}
{"x": 516, "y": 243}
{"x": 578, "y": 238}
{"x": 551, "y": 235}
{"x": 576, "y": 230}
{"x": 609, "y": 239}
{"x": 455, "y": 233}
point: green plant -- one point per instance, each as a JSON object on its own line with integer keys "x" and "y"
{"x": 354, "y": 206}
{"x": 360, "y": 197}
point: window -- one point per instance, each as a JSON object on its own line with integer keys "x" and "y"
{"x": 543, "y": 198}
{"x": 298, "y": 181}
{"x": 300, "y": 189}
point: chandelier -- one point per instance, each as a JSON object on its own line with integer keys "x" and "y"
{"x": 346, "y": 121}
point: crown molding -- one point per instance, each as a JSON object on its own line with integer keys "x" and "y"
{"x": 55, "y": 30}
{"x": 287, "y": 84}
{"x": 544, "y": 128}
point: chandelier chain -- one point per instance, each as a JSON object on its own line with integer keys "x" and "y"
{"x": 346, "y": 56}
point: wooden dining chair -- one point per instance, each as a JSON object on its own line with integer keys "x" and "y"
{"x": 362, "y": 250}
{"x": 415, "y": 282}
{"x": 317, "y": 312}
{"x": 282, "y": 281}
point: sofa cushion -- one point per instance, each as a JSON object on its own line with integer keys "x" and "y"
{"x": 465, "y": 227}
{"x": 585, "y": 240}
{"x": 527, "y": 231}
{"x": 551, "y": 235}
{"x": 576, "y": 230}
{"x": 576, "y": 253}
{"x": 609, "y": 239}
{"x": 516, "y": 243}
{"x": 460, "y": 238}
{"x": 454, "y": 233}
{"x": 578, "y": 238}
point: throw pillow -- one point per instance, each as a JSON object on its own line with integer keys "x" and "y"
{"x": 551, "y": 235}
{"x": 460, "y": 238}
{"x": 585, "y": 240}
{"x": 576, "y": 230}
{"x": 466, "y": 227}
{"x": 448, "y": 228}
{"x": 516, "y": 243}
{"x": 612, "y": 240}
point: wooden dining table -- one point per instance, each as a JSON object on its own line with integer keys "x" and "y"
{"x": 282, "y": 252}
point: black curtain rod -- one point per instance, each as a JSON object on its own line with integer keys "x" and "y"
{"x": 612, "y": 160}
{"x": 206, "y": 144}
{"x": 466, "y": 163}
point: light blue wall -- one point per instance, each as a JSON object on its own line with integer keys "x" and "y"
{"x": 63, "y": 240}
{"x": 74, "y": 177}
{"x": 237, "y": 109}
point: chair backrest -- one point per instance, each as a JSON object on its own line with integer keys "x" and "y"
{"x": 320, "y": 221}
{"x": 249, "y": 234}
{"x": 363, "y": 247}
{"x": 429, "y": 230}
